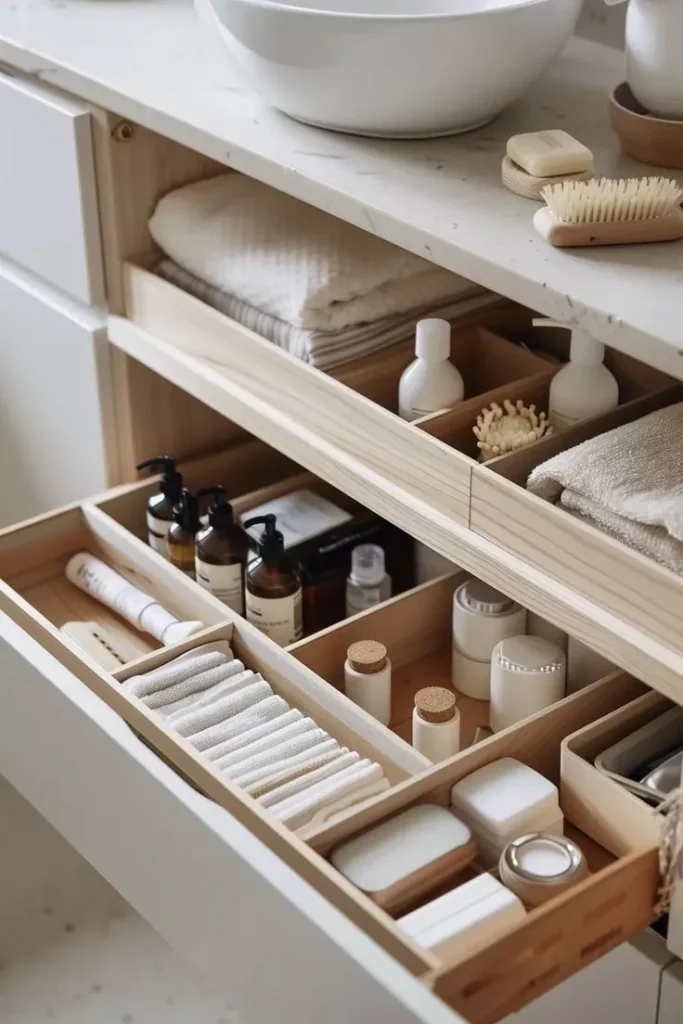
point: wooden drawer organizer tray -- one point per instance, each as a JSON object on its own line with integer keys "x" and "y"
{"x": 631, "y": 586}
{"x": 553, "y": 942}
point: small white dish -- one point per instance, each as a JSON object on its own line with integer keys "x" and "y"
{"x": 393, "y": 68}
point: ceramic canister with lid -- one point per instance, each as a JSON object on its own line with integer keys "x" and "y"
{"x": 528, "y": 673}
{"x": 482, "y": 617}
{"x": 436, "y": 723}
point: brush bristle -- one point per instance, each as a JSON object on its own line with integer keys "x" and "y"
{"x": 606, "y": 199}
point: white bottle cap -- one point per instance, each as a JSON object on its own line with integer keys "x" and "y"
{"x": 433, "y": 340}
{"x": 176, "y": 632}
{"x": 367, "y": 565}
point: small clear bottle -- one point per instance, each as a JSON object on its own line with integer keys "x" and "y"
{"x": 368, "y": 583}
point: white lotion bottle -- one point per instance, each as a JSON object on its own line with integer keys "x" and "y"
{"x": 436, "y": 723}
{"x": 431, "y": 382}
{"x": 584, "y": 387}
{"x": 140, "y": 609}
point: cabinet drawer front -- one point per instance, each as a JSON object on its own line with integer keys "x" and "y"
{"x": 48, "y": 206}
{"x": 210, "y": 887}
{"x": 54, "y": 399}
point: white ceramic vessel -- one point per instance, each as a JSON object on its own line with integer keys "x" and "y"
{"x": 654, "y": 61}
{"x": 395, "y": 68}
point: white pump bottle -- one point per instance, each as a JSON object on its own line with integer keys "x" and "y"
{"x": 431, "y": 382}
{"x": 584, "y": 387}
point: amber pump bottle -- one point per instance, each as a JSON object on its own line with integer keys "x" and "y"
{"x": 181, "y": 536}
{"x": 221, "y": 552}
{"x": 160, "y": 506}
{"x": 273, "y": 585}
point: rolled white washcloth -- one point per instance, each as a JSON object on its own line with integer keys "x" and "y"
{"x": 262, "y": 774}
{"x": 289, "y": 748}
{"x": 328, "y": 814}
{"x": 180, "y": 670}
{"x": 195, "y": 724}
{"x": 294, "y": 786}
{"x": 257, "y": 714}
{"x": 297, "y": 810}
{"x": 294, "y": 770}
{"x": 278, "y": 734}
{"x": 275, "y": 723}
{"x": 175, "y": 700}
{"x": 236, "y": 678}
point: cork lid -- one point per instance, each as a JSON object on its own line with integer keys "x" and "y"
{"x": 435, "y": 704}
{"x": 367, "y": 656}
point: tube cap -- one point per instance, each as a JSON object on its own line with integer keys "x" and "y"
{"x": 433, "y": 340}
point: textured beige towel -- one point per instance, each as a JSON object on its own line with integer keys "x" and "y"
{"x": 627, "y": 482}
{"x": 323, "y": 349}
{"x": 290, "y": 260}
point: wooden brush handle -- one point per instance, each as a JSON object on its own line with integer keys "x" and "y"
{"x": 613, "y": 232}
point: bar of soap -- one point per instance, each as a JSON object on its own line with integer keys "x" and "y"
{"x": 549, "y": 153}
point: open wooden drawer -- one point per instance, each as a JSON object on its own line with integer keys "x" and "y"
{"x": 223, "y": 875}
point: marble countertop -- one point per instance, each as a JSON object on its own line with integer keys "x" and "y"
{"x": 153, "y": 62}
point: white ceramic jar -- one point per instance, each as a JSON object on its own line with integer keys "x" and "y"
{"x": 654, "y": 66}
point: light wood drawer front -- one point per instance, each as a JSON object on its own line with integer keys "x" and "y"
{"x": 48, "y": 205}
{"x": 643, "y": 598}
{"x": 53, "y": 399}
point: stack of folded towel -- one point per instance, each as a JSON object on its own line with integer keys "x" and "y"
{"x": 250, "y": 734}
{"x": 319, "y": 288}
{"x": 627, "y": 482}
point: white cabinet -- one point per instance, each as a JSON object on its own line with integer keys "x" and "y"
{"x": 622, "y": 987}
{"x": 671, "y": 998}
{"x": 48, "y": 201}
{"x": 54, "y": 363}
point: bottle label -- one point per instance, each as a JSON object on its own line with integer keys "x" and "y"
{"x": 224, "y": 582}
{"x": 279, "y": 618}
{"x": 157, "y": 530}
{"x": 359, "y": 599}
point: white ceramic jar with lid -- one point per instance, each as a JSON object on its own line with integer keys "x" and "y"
{"x": 528, "y": 673}
{"x": 436, "y": 723}
{"x": 482, "y": 617}
{"x": 654, "y": 69}
{"x": 539, "y": 866}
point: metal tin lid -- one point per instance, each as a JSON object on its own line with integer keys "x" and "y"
{"x": 529, "y": 654}
{"x": 482, "y": 599}
{"x": 543, "y": 858}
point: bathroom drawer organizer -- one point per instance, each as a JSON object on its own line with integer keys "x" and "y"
{"x": 615, "y": 902}
{"x": 423, "y": 476}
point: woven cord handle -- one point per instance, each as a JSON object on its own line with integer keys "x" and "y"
{"x": 670, "y": 845}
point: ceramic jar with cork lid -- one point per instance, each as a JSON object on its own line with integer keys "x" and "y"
{"x": 436, "y": 723}
{"x": 367, "y": 677}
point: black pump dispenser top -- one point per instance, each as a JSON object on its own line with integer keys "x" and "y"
{"x": 186, "y": 512}
{"x": 221, "y": 515}
{"x": 171, "y": 483}
{"x": 271, "y": 543}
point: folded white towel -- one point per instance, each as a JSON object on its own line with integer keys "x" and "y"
{"x": 297, "y": 785}
{"x": 278, "y": 768}
{"x": 214, "y": 739}
{"x": 627, "y": 482}
{"x": 280, "y": 720}
{"x": 325, "y": 350}
{"x": 199, "y": 707}
{"x": 277, "y": 735}
{"x": 294, "y": 770}
{"x": 296, "y": 810}
{"x": 245, "y": 689}
{"x": 290, "y": 260}
{"x": 276, "y": 753}
{"x": 328, "y": 814}
{"x": 186, "y": 667}
{"x": 195, "y": 691}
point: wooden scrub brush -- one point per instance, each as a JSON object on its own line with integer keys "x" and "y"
{"x": 610, "y": 212}
{"x": 500, "y": 431}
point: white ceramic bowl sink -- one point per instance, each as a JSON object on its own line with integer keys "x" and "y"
{"x": 397, "y": 68}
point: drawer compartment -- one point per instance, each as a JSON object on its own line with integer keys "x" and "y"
{"x": 47, "y": 202}
{"x": 644, "y": 595}
{"x": 302, "y": 410}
